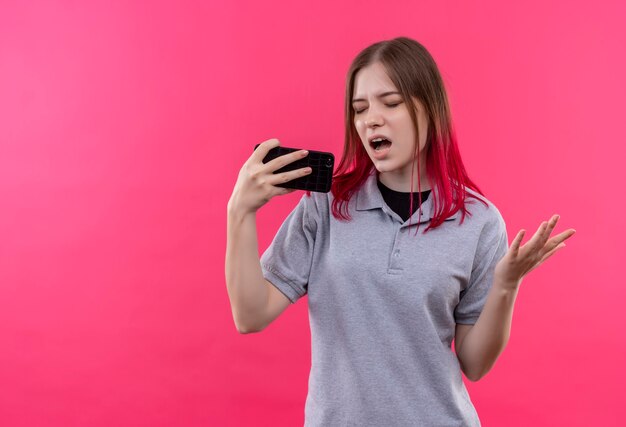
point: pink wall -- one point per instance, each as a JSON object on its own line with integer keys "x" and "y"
{"x": 123, "y": 128}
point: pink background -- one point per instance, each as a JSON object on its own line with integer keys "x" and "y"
{"x": 122, "y": 131}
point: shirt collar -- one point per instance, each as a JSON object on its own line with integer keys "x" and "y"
{"x": 369, "y": 197}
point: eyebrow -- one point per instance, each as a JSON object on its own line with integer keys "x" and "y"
{"x": 381, "y": 95}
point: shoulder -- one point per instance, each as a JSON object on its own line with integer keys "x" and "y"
{"x": 316, "y": 204}
{"x": 484, "y": 213}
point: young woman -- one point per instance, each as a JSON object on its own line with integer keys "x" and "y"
{"x": 386, "y": 301}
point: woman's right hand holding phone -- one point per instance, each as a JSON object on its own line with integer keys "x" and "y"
{"x": 256, "y": 183}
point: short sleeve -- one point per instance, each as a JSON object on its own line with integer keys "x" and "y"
{"x": 286, "y": 263}
{"x": 492, "y": 246}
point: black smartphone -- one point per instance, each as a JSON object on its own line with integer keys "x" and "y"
{"x": 321, "y": 163}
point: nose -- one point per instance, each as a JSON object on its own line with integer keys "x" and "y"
{"x": 371, "y": 123}
{"x": 373, "y": 119}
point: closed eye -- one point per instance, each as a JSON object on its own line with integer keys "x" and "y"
{"x": 388, "y": 105}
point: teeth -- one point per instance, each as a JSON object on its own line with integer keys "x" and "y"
{"x": 377, "y": 143}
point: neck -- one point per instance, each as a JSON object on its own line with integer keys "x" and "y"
{"x": 396, "y": 183}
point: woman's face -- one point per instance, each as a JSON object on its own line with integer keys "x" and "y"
{"x": 380, "y": 110}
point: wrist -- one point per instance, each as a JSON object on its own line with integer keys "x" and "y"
{"x": 506, "y": 285}
{"x": 235, "y": 212}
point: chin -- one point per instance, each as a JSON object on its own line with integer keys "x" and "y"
{"x": 383, "y": 166}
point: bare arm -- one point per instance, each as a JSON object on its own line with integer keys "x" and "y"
{"x": 254, "y": 306}
{"x": 254, "y": 301}
{"x": 244, "y": 278}
{"x": 480, "y": 346}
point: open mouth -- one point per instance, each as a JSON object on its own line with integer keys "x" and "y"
{"x": 379, "y": 144}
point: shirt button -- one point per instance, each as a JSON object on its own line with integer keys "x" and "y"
{"x": 397, "y": 254}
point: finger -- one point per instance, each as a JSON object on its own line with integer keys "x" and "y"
{"x": 561, "y": 237}
{"x": 264, "y": 148}
{"x": 551, "y": 224}
{"x": 285, "y": 159}
{"x": 535, "y": 241}
{"x": 516, "y": 242}
{"x": 281, "y": 178}
{"x": 566, "y": 234}
{"x": 550, "y": 253}
{"x": 544, "y": 231}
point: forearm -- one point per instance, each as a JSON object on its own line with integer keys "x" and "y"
{"x": 244, "y": 277}
{"x": 488, "y": 337}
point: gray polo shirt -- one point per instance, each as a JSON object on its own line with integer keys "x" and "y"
{"x": 383, "y": 304}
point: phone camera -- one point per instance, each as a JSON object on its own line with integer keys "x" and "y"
{"x": 329, "y": 162}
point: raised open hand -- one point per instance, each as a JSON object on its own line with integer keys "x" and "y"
{"x": 518, "y": 262}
